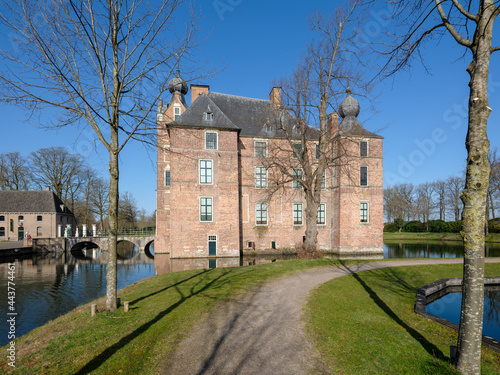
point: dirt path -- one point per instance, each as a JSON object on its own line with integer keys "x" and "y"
{"x": 263, "y": 331}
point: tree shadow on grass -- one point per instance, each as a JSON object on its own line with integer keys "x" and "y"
{"x": 432, "y": 349}
{"x": 97, "y": 361}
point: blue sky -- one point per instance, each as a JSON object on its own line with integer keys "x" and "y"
{"x": 423, "y": 116}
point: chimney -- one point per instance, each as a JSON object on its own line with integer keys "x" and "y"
{"x": 197, "y": 90}
{"x": 275, "y": 97}
{"x": 47, "y": 188}
{"x": 332, "y": 123}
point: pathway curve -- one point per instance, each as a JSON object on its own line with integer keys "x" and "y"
{"x": 263, "y": 332}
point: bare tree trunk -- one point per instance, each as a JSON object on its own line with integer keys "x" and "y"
{"x": 311, "y": 223}
{"x": 113, "y": 230}
{"x": 474, "y": 199}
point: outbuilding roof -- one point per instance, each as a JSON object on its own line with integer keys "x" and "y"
{"x": 14, "y": 201}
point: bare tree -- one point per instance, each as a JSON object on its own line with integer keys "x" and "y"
{"x": 99, "y": 199}
{"x": 101, "y": 63}
{"x": 454, "y": 186}
{"x": 306, "y": 98}
{"x": 471, "y": 26}
{"x": 494, "y": 186}
{"x": 58, "y": 168}
{"x": 440, "y": 189}
{"x": 127, "y": 211}
{"x": 425, "y": 201}
{"x": 14, "y": 172}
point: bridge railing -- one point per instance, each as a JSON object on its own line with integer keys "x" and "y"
{"x": 126, "y": 232}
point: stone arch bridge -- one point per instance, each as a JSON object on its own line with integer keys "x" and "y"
{"x": 142, "y": 242}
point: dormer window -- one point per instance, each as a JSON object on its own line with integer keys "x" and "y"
{"x": 268, "y": 129}
{"x": 177, "y": 111}
{"x": 209, "y": 116}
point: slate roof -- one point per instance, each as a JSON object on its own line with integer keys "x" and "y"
{"x": 350, "y": 126}
{"x": 13, "y": 201}
{"x": 249, "y": 116}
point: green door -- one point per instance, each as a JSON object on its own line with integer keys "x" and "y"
{"x": 20, "y": 233}
{"x": 212, "y": 248}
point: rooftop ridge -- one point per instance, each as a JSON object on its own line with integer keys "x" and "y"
{"x": 239, "y": 96}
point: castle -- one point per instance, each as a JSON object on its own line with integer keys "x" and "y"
{"x": 213, "y": 190}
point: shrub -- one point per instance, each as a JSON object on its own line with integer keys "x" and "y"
{"x": 391, "y": 227}
{"x": 414, "y": 226}
{"x": 436, "y": 226}
{"x": 453, "y": 226}
{"x": 494, "y": 226}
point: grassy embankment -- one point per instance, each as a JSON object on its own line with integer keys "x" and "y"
{"x": 371, "y": 328}
{"x": 366, "y": 323}
{"x": 162, "y": 310}
{"x": 424, "y": 236}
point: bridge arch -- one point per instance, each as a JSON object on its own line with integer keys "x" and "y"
{"x": 149, "y": 249}
{"x": 85, "y": 250}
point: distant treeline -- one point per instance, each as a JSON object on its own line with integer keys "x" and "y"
{"x": 435, "y": 226}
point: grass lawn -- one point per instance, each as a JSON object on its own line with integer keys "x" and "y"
{"x": 424, "y": 236}
{"x": 162, "y": 310}
{"x": 365, "y": 324}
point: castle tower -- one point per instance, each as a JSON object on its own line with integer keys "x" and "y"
{"x": 166, "y": 114}
{"x": 358, "y": 187}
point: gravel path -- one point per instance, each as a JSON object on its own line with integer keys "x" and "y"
{"x": 263, "y": 332}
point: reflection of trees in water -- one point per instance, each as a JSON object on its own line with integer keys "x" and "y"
{"x": 492, "y": 308}
{"x": 126, "y": 250}
{"x": 433, "y": 249}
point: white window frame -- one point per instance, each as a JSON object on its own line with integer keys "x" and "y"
{"x": 361, "y": 203}
{"x": 260, "y": 183}
{"x": 177, "y": 108}
{"x": 267, "y": 213}
{"x": 209, "y": 116}
{"x": 211, "y": 171}
{"x": 216, "y": 140}
{"x": 255, "y": 148}
{"x": 211, "y": 205}
{"x": 324, "y": 214}
{"x": 301, "y": 213}
{"x": 367, "y": 148}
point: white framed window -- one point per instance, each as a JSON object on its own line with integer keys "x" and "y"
{"x": 297, "y": 175}
{"x": 363, "y": 148}
{"x": 260, "y": 177}
{"x": 321, "y": 214}
{"x": 363, "y": 212}
{"x": 206, "y": 172}
{"x": 363, "y": 176}
{"x": 297, "y": 214}
{"x": 206, "y": 209}
{"x": 177, "y": 111}
{"x": 209, "y": 116}
{"x": 39, "y": 231}
{"x": 260, "y": 149}
{"x": 211, "y": 140}
{"x": 261, "y": 213}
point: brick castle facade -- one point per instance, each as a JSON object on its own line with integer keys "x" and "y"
{"x": 213, "y": 194}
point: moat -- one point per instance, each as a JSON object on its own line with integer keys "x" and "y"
{"x": 50, "y": 285}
